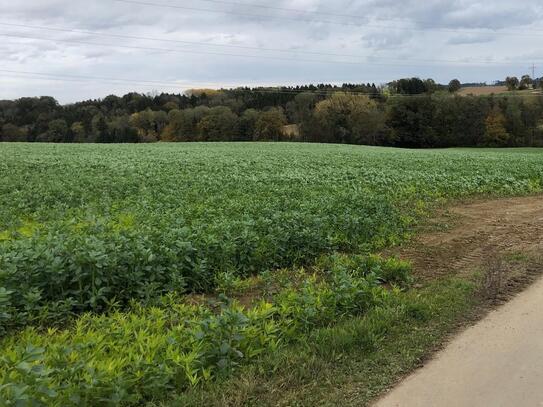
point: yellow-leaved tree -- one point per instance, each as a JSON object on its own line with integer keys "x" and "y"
{"x": 495, "y": 132}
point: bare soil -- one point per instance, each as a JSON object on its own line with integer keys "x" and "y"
{"x": 499, "y": 360}
{"x": 502, "y": 239}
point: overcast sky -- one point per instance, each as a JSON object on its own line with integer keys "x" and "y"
{"x": 182, "y": 44}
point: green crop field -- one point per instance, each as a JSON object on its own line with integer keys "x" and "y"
{"x": 124, "y": 269}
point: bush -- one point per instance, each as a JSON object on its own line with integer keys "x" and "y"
{"x": 143, "y": 354}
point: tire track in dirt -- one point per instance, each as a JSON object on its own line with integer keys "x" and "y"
{"x": 499, "y": 360}
{"x": 480, "y": 235}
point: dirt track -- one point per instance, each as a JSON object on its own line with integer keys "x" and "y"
{"x": 502, "y": 238}
{"x": 499, "y": 361}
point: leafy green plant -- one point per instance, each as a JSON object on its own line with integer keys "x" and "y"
{"x": 118, "y": 223}
{"x": 93, "y": 273}
{"x": 5, "y": 312}
{"x": 139, "y": 355}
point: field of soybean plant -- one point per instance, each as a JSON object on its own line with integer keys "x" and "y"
{"x": 133, "y": 274}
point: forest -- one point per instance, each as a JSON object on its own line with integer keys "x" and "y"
{"x": 411, "y": 112}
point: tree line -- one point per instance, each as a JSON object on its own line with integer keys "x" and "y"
{"x": 408, "y": 112}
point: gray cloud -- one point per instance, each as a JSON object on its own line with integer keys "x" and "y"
{"x": 460, "y": 14}
{"x": 403, "y": 35}
{"x": 386, "y": 40}
{"x": 478, "y": 38}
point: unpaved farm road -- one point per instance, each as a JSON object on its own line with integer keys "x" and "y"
{"x": 499, "y": 361}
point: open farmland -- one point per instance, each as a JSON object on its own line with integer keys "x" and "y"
{"x": 129, "y": 232}
{"x": 496, "y": 90}
{"x": 482, "y": 90}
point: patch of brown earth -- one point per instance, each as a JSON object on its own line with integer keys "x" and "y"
{"x": 502, "y": 238}
{"x": 482, "y": 90}
{"x": 498, "y": 361}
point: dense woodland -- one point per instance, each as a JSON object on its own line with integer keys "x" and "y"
{"x": 406, "y": 113}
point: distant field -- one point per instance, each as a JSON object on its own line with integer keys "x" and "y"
{"x": 482, "y": 90}
{"x": 124, "y": 230}
{"x": 498, "y": 90}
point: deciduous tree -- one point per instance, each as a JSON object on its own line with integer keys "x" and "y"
{"x": 11, "y": 132}
{"x": 220, "y": 123}
{"x": 454, "y": 86}
{"x": 78, "y": 132}
{"x": 495, "y": 132}
{"x": 269, "y": 125}
{"x": 350, "y": 118}
{"x": 512, "y": 82}
{"x": 525, "y": 82}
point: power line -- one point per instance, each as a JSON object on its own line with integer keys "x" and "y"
{"x": 123, "y": 36}
{"x": 293, "y": 10}
{"x": 177, "y": 41}
{"x": 301, "y": 11}
{"x": 174, "y": 50}
{"x": 27, "y": 76}
{"x": 174, "y": 85}
{"x": 525, "y": 33}
{"x": 86, "y": 78}
{"x": 184, "y": 42}
{"x": 72, "y": 77}
{"x": 182, "y": 51}
{"x": 145, "y": 3}
{"x": 94, "y": 78}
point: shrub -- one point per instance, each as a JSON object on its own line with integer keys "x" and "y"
{"x": 142, "y": 354}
